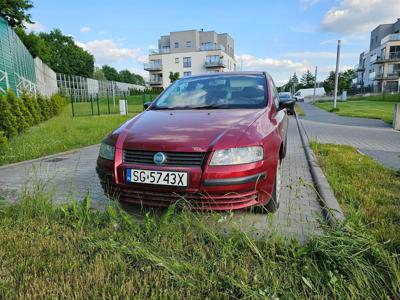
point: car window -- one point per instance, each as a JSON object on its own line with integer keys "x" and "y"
{"x": 275, "y": 95}
{"x": 222, "y": 91}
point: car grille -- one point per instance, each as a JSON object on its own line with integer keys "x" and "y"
{"x": 173, "y": 158}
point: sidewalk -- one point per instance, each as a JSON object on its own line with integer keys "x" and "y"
{"x": 372, "y": 137}
{"x": 73, "y": 174}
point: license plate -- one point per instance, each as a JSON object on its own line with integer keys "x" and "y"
{"x": 170, "y": 178}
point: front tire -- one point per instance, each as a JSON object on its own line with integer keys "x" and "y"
{"x": 273, "y": 204}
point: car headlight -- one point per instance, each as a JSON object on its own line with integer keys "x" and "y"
{"x": 237, "y": 156}
{"x": 107, "y": 151}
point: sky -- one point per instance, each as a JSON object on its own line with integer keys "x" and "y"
{"x": 280, "y": 37}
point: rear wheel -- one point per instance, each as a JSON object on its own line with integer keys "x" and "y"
{"x": 273, "y": 204}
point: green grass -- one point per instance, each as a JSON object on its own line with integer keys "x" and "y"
{"x": 71, "y": 251}
{"x": 60, "y": 134}
{"x": 299, "y": 110}
{"x": 366, "y": 190}
{"x": 373, "y": 109}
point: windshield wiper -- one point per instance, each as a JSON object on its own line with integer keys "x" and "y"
{"x": 210, "y": 107}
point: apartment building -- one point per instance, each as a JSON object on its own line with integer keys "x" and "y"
{"x": 379, "y": 66}
{"x": 190, "y": 52}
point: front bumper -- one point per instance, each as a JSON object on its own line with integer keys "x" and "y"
{"x": 210, "y": 188}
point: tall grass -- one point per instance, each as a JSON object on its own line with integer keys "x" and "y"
{"x": 71, "y": 251}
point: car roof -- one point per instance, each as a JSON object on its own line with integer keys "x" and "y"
{"x": 250, "y": 73}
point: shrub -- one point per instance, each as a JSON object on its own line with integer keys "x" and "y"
{"x": 57, "y": 103}
{"x": 44, "y": 107}
{"x": 8, "y": 122}
{"x": 3, "y": 141}
{"x": 18, "y": 109}
{"x": 33, "y": 107}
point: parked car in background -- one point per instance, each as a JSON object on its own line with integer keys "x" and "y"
{"x": 215, "y": 141}
{"x": 303, "y": 93}
{"x": 286, "y": 98}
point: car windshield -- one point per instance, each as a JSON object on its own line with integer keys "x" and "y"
{"x": 213, "y": 92}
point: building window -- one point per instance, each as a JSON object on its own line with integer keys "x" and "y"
{"x": 176, "y": 44}
{"x": 177, "y": 60}
{"x": 186, "y": 74}
{"x": 187, "y": 62}
{"x": 189, "y": 44}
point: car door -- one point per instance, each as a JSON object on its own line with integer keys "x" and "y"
{"x": 280, "y": 115}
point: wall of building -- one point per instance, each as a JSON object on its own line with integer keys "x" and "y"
{"x": 174, "y": 63}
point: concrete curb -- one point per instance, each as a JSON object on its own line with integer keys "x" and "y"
{"x": 330, "y": 206}
{"x": 46, "y": 157}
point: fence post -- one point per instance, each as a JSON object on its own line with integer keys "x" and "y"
{"x": 108, "y": 103}
{"x": 98, "y": 106}
{"x": 91, "y": 104}
{"x": 72, "y": 105}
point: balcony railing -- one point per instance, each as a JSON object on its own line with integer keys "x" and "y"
{"x": 152, "y": 67}
{"x": 155, "y": 81}
{"x": 390, "y": 38}
{"x": 393, "y": 56}
{"x": 215, "y": 63}
{"x": 159, "y": 51}
{"x": 211, "y": 47}
{"x": 389, "y": 76}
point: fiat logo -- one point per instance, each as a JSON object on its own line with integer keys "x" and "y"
{"x": 159, "y": 158}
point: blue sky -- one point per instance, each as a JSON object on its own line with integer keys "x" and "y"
{"x": 280, "y": 37}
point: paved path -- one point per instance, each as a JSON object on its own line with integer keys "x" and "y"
{"x": 72, "y": 175}
{"x": 372, "y": 137}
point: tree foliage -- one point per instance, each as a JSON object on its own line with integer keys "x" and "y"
{"x": 15, "y": 11}
{"x": 110, "y": 73}
{"x": 8, "y": 122}
{"x": 173, "y": 76}
{"x": 98, "y": 74}
{"x": 344, "y": 81}
{"x": 307, "y": 80}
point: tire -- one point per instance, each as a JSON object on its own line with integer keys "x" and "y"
{"x": 273, "y": 204}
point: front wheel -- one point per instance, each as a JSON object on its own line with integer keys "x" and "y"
{"x": 273, "y": 204}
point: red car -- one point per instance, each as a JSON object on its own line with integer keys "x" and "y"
{"x": 214, "y": 141}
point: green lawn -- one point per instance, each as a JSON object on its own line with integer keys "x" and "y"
{"x": 60, "y": 134}
{"x": 366, "y": 190}
{"x": 374, "y": 109}
{"x": 73, "y": 252}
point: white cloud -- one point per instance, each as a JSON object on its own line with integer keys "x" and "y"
{"x": 36, "y": 26}
{"x": 357, "y": 16}
{"x": 315, "y": 55}
{"x": 107, "y": 51}
{"x": 85, "y": 29}
{"x": 304, "y": 4}
{"x": 280, "y": 69}
{"x": 303, "y": 28}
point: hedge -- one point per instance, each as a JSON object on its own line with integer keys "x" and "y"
{"x": 18, "y": 114}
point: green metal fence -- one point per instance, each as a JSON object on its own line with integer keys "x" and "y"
{"x": 17, "y": 68}
{"x": 95, "y": 105}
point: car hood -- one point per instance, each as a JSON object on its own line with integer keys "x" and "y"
{"x": 188, "y": 130}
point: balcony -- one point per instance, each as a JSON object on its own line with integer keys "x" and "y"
{"x": 211, "y": 47}
{"x": 389, "y": 76}
{"x": 390, "y": 38}
{"x": 160, "y": 51}
{"x": 393, "y": 57}
{"x": 152, "y": 67}
{"x": 155, "y": 81}
{"x": 215, "y": 63}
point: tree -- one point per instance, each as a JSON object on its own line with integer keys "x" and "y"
{"x": 110, "y": 73}
{"x": 64, "y": 56}
{"x": 329, "y": 83}
{"x": 173, "y": 76}
{"x": 307, "y": 80}
{"x": 126, "y": 76}
{"x": 98, "y": 74}
{"x": 35, "y": 45}
{"x": 344, "y": 81}
{"x": 15, "y": 11}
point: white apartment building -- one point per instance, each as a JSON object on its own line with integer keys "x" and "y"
{"x": 379, "y": 66}
{"x": 190, "y": 52}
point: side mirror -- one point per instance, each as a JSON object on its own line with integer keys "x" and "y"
{"x": 147, "y": 104}
{"x": 286, "y": 103}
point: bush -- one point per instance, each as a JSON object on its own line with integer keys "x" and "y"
{"x": 44, "y": 107}
{"x": 57, "y": 103}
{"x": 33, "y": 107}
{"x": 8, "y": 122}
{"x": 18, "y": 109}
{"x": 3, "y": 141}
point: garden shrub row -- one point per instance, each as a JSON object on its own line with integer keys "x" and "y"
{"x": 18, "y": 114}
